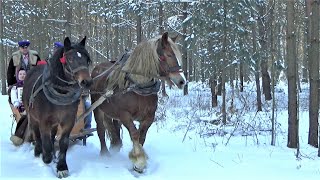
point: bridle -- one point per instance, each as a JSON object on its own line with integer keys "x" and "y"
{"x": 165, "y": 69}
{"x": 69, "y": 71}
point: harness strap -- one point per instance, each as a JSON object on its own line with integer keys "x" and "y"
{"x": 35, "y": 93}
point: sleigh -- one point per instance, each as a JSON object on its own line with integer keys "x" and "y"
{"x": 78, "y": 132}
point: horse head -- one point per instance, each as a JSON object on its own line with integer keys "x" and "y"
{"x": 170, "y": 61}
{"x": 67, "y": 75}
{"x": 77, "y": 61}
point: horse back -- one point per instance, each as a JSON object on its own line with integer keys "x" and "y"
{"x": 99, "y": 84}
{"x": 29, "y": 83}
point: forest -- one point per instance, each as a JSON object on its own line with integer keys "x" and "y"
{"x": 225, "y": 45}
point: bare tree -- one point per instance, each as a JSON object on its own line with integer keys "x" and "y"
{"x": 224, "y": 63}
{"x": 313, "y": 55}
{"x": 306, "y": 39}
{"x": 139, "y": 26}
{"x": 161, "y": 31}
{"x": 184, "y": 48}
{"x": 263, "y": 43}
{"x": 292, "y": 76}
{"x": 272, "y": 47}
{"x": 256, "y": 59}
{"x": 2, "y": 59}
{"x": 68, "y": 11}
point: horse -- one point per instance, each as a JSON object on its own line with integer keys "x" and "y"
{"x": 134, "y": 83}
{"x": 51, "y": 96}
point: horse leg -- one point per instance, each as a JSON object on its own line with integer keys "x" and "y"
{"x": 47, "y": 144}
{"x": 113, "y": 127}
{"x": 137, "y": 155}
{"x": 38, "y": 143}
{"x": 144, "y": 126}
{"x": 99, "y": 117}
{"x": 62, "y": 167}
{"x": 53, "y": 139}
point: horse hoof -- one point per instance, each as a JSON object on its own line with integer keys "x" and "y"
{"x": 37, "y": 153}
{"x": 115, "y": 148}
{"x": 105, "y": 153}
{"x": 138, "y": 170}
{"x": 47, "y": 159}
{"x": 63, "y": 174}
{"x": 16, "y": 140}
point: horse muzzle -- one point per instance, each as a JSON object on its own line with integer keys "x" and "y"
{"x": 86, "y": 83}
{"x": 84, "y": 79}
{"x": 178, "y": 79}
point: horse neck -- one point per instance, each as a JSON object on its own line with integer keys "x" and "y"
{"x": 57, "y": 75}
{"x": 143, "y": 63}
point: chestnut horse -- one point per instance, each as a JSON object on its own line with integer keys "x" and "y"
{"x": 51, "y": 96}
{"x": 134, "y": 81}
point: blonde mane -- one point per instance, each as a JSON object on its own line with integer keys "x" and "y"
{"x": 142, "y": 65}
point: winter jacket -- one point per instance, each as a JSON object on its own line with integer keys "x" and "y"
{"x": 16, "y": 62}
{"x": 16, "y": 96}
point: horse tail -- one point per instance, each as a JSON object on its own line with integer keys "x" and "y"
{"x": 113, "y": 129}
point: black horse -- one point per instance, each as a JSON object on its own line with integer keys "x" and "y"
{"x": 51, "y": 96}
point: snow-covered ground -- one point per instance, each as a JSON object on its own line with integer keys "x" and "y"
{"x": 184, "y": 144}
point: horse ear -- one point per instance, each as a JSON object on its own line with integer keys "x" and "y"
{"x": 67, "y": 43}
{"x": 175, "y": 38}
{"x": 83, "y": 41}
{"x": 164, "y": 38}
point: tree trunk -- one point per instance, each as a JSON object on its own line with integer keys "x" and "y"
{"x": 263, "y": 57}
{"x": 96, "y": 35}
{"x": 184, "y": 48}
{"x": 161, "y": 31}
{"x": 68, "y": 11}
{"x": 314, "y": 74}
{"x": 116, "y": 37}
{"x": 241, "y": 75}
{"x": 2, "y": 58}
{"x": 306, "y": 39}
{"x": 139, "y": 26}
{"x": 292, "y": 77}
{"x": 224, "y": 64}
{"x": 191, "y": 76}
{"x": 256, "y": 59}
{"x": 213, "y": 75}
{"x": 214, "y": 97}
{"x": 272, "y": 49}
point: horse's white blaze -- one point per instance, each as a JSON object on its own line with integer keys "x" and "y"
{"x": 79, "y": 54}
{"x": 181, "y": 73}
{"x": 183, "y": 77}
{"x": 179, "y": 62}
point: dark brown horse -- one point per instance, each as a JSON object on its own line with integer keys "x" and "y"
{"x": 51, "y": 96}
{"x": 134, "y": 81}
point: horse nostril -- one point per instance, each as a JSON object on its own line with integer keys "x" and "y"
{"x": 86, "y": 83}
{"x": 181, "y": 82}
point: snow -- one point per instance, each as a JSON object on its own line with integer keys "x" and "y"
{"x": 182, "y": 144}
